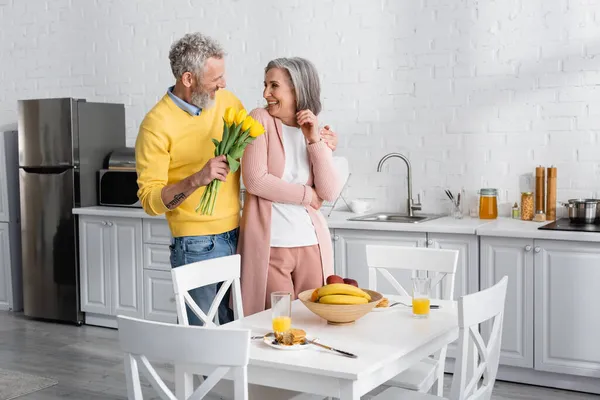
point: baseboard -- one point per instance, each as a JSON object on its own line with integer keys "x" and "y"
{"x": 105, "y": 321}
{"x": 541, "y": 378}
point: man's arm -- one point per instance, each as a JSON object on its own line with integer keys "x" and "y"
{"x": 173, "y": 195}
{"x": 152, "y": 164}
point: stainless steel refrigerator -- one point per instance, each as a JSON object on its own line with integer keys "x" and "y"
{"x": 62, "y": 144}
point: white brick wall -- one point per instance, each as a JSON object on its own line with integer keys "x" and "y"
{"x": 475, "y": 92}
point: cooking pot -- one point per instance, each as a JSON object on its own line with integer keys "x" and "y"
{"x": 583, "y": 211}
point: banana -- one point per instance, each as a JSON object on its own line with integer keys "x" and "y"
{"x": 342, "y": 299}
{"x": 342, "y": 288}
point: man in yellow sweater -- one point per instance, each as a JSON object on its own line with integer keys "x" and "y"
{"x": 174, "y": 158}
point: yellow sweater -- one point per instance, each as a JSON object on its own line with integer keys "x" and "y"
{"x": 172, "y": 145}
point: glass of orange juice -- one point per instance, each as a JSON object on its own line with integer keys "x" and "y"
{"x": 421, "y": 296}
{"x": 281, "y": 309}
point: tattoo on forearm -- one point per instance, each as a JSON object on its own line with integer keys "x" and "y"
{"x": 177, "y": 199}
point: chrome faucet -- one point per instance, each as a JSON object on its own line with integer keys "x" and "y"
{"x": 411, "y": 206}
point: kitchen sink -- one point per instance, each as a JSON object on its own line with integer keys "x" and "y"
{"x": 394, "y": 217}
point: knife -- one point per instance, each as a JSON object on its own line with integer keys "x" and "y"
{"x": 345, "y": 353}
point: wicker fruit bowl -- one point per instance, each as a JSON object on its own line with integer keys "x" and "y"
{"x": 339, "y": 314}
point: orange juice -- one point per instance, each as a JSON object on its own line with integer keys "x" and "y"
{"x": 420, "y": 306}
{"x": 282, "y": 324}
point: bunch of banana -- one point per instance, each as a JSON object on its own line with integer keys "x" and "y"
{"x": 340, "y": 293}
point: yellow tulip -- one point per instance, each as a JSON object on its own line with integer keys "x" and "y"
{"x": 229, "y": 115}
{"x": 247, "y": 123}
{"x": 256, "y": 129}
{"x": 241, "y": 116}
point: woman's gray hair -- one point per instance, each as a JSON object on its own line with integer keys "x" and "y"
{"x": 189, "y": 54}
{"x": 305, "y": 81}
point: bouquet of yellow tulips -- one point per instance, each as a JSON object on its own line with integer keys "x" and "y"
{"x": 239, "y": 129}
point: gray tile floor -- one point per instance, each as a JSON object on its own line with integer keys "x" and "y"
{"x": 87, "y": 363}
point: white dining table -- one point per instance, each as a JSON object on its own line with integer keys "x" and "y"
{"x": 385, "y": 342}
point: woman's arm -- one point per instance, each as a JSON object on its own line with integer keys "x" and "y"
{"x": 259, "y": 182}
{"x": 326, "y": 179}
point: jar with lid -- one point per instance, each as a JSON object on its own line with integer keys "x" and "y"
{"x": 488, "y": 203}
{"x": 527, "y": 206}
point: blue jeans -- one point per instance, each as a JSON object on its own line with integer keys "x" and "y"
{"x": 190, "y": 249}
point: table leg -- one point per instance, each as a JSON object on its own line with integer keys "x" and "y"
{"x": 348, "y": 392}
{"x": 184, "y": 383}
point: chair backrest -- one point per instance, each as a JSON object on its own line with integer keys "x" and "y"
{"x": 476, "y": 382}
{"x": 442, "y": 263}
{"x": 208, "y": 272}
{"x": 189, "y": 345}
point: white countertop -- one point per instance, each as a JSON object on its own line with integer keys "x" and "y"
{"x": 123, "y": 212}
{"x": 506, "y": 227}
{"x": 466, "y": 226}
{"x": 502, "y": 227}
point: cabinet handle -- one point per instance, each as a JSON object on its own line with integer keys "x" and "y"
{"x": 110, "y": 223}
{"x": 104, "y": 223}
{"x": 528, "y": 248}
{"x": 537, "y": 249}
{"x": 430, "y": 242}
{"x": 336, "y": 238}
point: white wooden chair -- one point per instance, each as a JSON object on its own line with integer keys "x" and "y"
{"x": 199, "y": 274}
{"x": 440, "y": 265}
{"x": 470, "y": 383}
{"x": 203, "y": 273}
{"x": 190, "y": 345}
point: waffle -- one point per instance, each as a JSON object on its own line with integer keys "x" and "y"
{"x": 383, "y": 303}
{"x": 293, "y": 336}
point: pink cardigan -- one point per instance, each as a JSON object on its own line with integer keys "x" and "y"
{"x": 262, "y": 168}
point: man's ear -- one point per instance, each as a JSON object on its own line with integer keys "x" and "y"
{"x": 186, "y": 79}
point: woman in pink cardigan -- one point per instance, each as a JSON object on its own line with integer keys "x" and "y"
{"x": 284, "y": 239}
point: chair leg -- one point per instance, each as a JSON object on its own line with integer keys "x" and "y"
{"x": 440, "y": 382}
{"x": 184, "y": 386}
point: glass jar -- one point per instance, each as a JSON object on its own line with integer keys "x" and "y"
{"x": 527, "y": 206}
{"x": 488, "y": 203}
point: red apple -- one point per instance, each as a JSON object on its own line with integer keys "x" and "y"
{"x": 334, "y": 279}
{"x": 349, "y": 281}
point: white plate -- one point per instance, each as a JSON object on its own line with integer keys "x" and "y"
{"x": 269, "y": 338}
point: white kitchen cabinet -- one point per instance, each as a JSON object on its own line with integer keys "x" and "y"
{"x": 513, "y": 258}
{"x": 159, "y": 297}
{"x": 466, "y": 279}
{"x": 5, "y": 270}
{"x": 111, "y": 266}
{"x": 126, "y": 262}
{"x": 467, "y": 269}
{"x": 94, "y": 242}
{"x": 567, "y": 296}
{"x": 351, "y": 257}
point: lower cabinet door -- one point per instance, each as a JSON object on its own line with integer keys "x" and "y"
{"x": 159, "y": 298}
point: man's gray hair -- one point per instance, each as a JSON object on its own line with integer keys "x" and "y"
{"x": 305, "y": 81}
{"x": 189, "y": 54}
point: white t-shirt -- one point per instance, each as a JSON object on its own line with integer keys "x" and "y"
{"x": 291, "y": 225}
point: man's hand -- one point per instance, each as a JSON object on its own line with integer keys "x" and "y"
{"x": 215, "y": 168}
{"x": 316, "y": 201}
{"x": 330, "y": 137}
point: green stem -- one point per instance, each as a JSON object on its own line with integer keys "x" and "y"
{"x": 217, "y": 188}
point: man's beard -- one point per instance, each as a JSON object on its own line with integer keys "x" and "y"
{"x": 202, "y": 100}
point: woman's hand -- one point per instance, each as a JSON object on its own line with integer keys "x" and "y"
{"x": 309, "y": 124}
{"x": 316, "y": 201}
{"x": 330, "y": 137}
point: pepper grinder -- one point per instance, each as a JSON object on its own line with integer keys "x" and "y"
{"x": 540, "y": 189}
{"x": 551, "y": 194}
